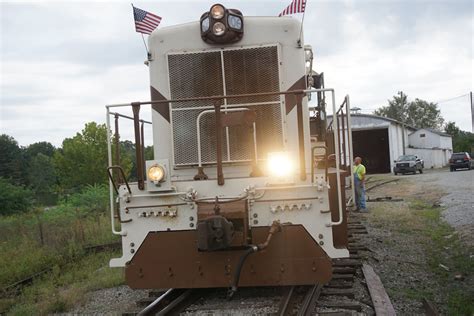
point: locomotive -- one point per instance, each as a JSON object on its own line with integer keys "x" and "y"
{"x": 247, "y": 184}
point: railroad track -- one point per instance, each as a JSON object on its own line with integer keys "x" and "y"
{"x": 346, "y": 294}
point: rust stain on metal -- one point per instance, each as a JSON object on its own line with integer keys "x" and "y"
{"x": 292, "y": 248}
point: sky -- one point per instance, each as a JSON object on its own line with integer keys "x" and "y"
{"x": 62, "y": 61}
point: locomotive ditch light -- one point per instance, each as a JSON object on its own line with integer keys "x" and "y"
{"x": 279, "y": 166}
{"x": 221, "y": 25}
{"x": 156, "y": 173}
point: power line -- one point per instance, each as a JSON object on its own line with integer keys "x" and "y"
{"x": 450, "y": 99}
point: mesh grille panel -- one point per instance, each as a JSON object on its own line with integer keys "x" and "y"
{"x": 195, "y": 75}
{"x": 200, "y": 74}
{"x": 252, "y": 70}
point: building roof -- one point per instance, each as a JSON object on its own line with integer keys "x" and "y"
{"x": 383, "y": 118}
{"x": 435, "y": 131}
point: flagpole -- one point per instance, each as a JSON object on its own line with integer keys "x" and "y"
{"x": 143, "y": 38}
{"x": 144, "y": 43}
{"x": 301, "y": 29}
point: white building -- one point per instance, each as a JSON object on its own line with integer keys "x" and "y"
{"x": 380, "y": 141}
{"x": 433, "y": 146}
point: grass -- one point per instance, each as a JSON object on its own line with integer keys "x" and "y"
{"x": 421, "y": 223}
{"x": 65, "y": 286}
{"x": 54, "y": 239}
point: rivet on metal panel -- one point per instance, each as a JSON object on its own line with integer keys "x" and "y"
{"x": 320, "y": 236}
{"x": 255, "y": 222}
{"x": 321, "y": 242}
{"x": 313, "y": 268}
{"x": 132, "y": 250}
{"x": 255, "y": 215}
{"x": 191, "y": 224}
{"x": 191, "y": 218}
{"x": 282, "y": 268}
{"x": 132, "y": 244}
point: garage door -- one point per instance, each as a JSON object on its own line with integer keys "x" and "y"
{"x": 373, "y": 147}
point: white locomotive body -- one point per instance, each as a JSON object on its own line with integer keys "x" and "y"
{"x": 218, "y": 204}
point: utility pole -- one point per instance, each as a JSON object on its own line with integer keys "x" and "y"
{"x": 472, "y": 112}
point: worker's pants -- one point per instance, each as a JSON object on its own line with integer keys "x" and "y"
{"x": 359, "y": 193}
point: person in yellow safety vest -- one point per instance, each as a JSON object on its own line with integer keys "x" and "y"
{"x": 359, "y": 185}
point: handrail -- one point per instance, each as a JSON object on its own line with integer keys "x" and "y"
{"x": 198, "y": 126}
{"x": 123, "y": 177}
{"x": 135, "y": 105}
{"x": 129, "y": 117}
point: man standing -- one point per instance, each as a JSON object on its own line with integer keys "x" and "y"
{"x": 359, "y": 184}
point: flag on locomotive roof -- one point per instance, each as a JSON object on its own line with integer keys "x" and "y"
{"x": 145, "y": 22}
{"x": 296, "y": 6}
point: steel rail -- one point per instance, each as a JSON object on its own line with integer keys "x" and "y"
{"x": 310, "y": 300}
{"x": 151, "y": 308}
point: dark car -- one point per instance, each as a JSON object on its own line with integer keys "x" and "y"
{"x": 408, "y": 164}
{"x": 461, "y": 160}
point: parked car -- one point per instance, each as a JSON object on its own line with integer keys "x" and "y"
{"x": 461, "y": 160}
{"x": 408, "y": 164}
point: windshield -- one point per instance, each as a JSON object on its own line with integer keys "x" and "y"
{"x": 458, "y": 156}
{"x": 406, "y": 158}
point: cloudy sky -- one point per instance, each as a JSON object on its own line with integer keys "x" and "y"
{"x": 62, "y": 61}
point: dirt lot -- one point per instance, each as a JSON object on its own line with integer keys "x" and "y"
{"x": 422, "y": 246}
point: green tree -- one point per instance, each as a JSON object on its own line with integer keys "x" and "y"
{"x": 418, "y": 113}
{"x": 12, "y": 162}
{"x": 424, "y": 114}
{"x": 463, "y": 141}
{"x": 82, "y": 160}
{"x": 44, "y": 148}
{"x": 42, "y": 178}
{"x": 451, "y": 129}
{"x": 14, "y": 198}
{"x": 397, "y": 108}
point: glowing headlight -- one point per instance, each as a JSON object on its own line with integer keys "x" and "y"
{"x": 156, "y": 173}
{"x": 279, "y": 164}
{"x": 205, "y": 25}
{"x": 218, "y": 28}
{"x": 217, "y": 11}
{"x": 234, "y": 22}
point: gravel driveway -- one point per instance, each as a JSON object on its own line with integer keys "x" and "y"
{"x": 459, "y": 199}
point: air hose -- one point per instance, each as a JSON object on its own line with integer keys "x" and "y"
{"x": 276, "y": 227}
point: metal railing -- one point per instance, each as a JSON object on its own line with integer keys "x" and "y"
{"x": 298, "y": 94}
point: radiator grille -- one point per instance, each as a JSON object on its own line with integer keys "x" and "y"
{"x": 251, "y": 70}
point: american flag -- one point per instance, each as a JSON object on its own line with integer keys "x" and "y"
{"x": 296, "y": 6}
{"x": 145, "y": 22}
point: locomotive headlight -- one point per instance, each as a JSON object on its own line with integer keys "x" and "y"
{"x": 218, "y": 28}
{"x": 234, "y": 22}
{"x": 221, "y": 26}
{"x": 205, "y": 25}
{"x": 217, "y": 11}
{"x": 279, "y": 164}
{"x": 156, "y": 173}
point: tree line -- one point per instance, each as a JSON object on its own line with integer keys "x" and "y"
{"x": 423, "y": 114}
{"x": 40, "y": 174}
